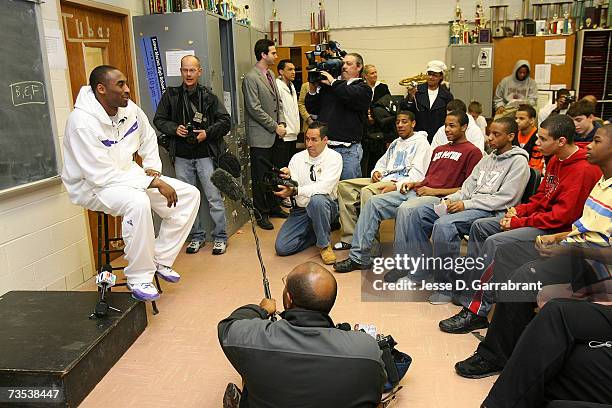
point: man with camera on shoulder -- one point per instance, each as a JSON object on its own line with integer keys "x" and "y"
{"x": 317, "y": 172}
{"x": 196, "y": 122}
{"x": 301, "y": 359}
{"x": 343, "y": 104}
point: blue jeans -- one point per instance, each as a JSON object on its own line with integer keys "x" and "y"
{"x": 188, "y": 170}
{"x": 378, "y": 208}
{"x": 307, "y": 226}
{"x": 351, "y": 160}
{"x": 417, "y": 226}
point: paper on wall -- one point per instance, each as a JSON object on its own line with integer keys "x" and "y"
{"x": 542, "y": 75}
{"x": 554, "y": 59}
{"x": 56, "y": 54}
{"x": 556, "y": 87}
{"x": 173, "y": 61}
{"x": 554, "y": 47}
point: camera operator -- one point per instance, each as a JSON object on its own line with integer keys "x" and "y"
{"x": 564, "y": 99}
{"x": 343, "y": 104}
{"x": 196, "y": 122}
{"x": 301, "y": 358}
{"x": 316, "y": 171}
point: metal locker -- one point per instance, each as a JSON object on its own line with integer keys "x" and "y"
{"x": 460, "y": 63}
{"x": 471, "y": 74}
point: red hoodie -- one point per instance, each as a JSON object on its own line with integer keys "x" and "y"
{"x": 561, "y": 196}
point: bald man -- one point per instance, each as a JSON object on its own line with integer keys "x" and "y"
{"x": 301, "y": 357}
{"x": 196, "y": 122}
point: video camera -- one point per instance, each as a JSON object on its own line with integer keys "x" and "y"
{"x": 331, "y": 54}
{"x": 272, "y": 179}
{"x": 396, "y": 362}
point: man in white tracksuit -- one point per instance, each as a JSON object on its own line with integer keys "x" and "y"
{"x": 102, "y": 135}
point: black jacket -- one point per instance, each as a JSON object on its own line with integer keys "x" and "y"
{"x": 171, "y": 112}
{"x": 301, "y": 360}
{"x": 429, "y": 119}
{"x": 343, "y": 107}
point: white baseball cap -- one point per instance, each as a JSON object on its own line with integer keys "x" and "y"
{"x": 436, "y": 66}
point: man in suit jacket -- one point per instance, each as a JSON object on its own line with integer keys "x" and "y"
{"x": 264, "y": 123}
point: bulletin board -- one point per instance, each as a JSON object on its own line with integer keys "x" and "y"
{"x": 533, "y": 49}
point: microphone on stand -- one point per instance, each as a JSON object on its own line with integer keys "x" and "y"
{"x": 234, "y": 191}
{"x": 105, "y": 280}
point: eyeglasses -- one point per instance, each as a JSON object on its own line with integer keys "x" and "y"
{"x": 434, "y": 74}
{"x": 189, "y": 71}
{"x": 313, "y": 174}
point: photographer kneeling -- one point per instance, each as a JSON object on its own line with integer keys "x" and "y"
{"x": 317, "y": 172}
{"x": 343, "y": 104}
{"x": 302, "y": 359}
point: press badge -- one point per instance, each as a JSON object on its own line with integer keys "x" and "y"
{"x": 198, "y": 117}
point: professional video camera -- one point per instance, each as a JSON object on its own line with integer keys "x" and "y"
{"x": 396, "y": 362}
{"x": 331, "y": 54}
{"x": 272, "y": 179}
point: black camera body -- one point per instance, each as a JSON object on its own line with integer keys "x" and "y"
{"x": 192, "y": 137}
{"x": 271, "y": 180}
{"x": 569, "y": 99}
{"x": 332, "y": 61}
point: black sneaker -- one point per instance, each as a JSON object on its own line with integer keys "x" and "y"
{"x": 278, "y": 213}
{"x": 394, "y": 275}
{"x": 264, "y": 223}
{"x": 476, "y": 367}
{"x": 231, "y": 397}
{"x": 463, "y": 322}
{"x": 348, "y": 265}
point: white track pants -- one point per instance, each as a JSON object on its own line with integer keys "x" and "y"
{"x": 142, "y": 249}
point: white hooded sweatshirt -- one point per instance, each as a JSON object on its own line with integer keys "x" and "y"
{"x": 406, "y": 160}
{"x": 99, "y": 153}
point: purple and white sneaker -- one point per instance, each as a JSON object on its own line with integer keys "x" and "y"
{"x": 168, "y": 274}
{"x": 143, "y": 291}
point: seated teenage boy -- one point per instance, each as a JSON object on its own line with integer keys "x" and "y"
{"x": 473, "y": 133}
{"x": 528, "y": 136}
{"x": 406, "y": 158}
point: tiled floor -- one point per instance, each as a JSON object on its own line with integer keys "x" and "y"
{"x": 177, "y": 361}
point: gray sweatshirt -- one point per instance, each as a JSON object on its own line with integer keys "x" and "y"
{"x": 511, "y": 92}
{"x": 496, "y": 183}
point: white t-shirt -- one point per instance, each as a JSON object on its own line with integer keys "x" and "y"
{"x": 432, "y": 96}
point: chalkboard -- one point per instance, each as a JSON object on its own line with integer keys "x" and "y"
{"x": 27, "y": 123}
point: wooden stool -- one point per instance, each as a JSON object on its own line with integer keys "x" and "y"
{"x": 105, "y": 249}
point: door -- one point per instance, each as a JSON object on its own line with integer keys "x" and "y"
{"x": 96, "y": 37}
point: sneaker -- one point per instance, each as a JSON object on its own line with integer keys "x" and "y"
{"x": 327, "y": 255}
{"x": 278, "y": 213}
{"x": 476, "y": 367}
{"x": 463, "y": 322}
{"x": 264, "y": 223}
{"x": 219, "y": 248}
{"x": 395, "y": 275}
{"x": 348, "y": 265}
{"x": 194, "y": 246}
{"x": 231, "y": 397}
{"x": 439, "y": 298}
{"x": 168, "y": 274}
{"x": 341, "y": 246}
{"x": 143, "y": 291}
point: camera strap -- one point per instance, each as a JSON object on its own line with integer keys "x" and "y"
{"x": 188, "y": 103}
